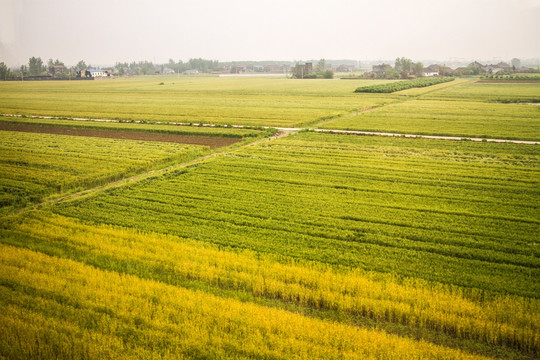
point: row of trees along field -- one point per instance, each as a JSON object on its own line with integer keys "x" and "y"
{"x": 37, "y": 67}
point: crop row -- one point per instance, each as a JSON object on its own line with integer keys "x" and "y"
{"x": 449, "y": 117}
{"x": 402, "y": 85}
{"x": 489, "y": 92}
{"x": 355, "y": 201}
{"x": 53, "y": 307}
{"x": 33, "y": 166}
{"x": 423, "y": 307}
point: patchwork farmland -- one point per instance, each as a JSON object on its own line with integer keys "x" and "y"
{"x": 258, "y": 243}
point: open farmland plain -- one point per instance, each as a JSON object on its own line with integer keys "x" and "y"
{"x": 303, "y": 245}
{"x": 240, "y": 101}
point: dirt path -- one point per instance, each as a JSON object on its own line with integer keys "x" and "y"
{"x": 351, "y": 114}
{"x": 435, "y": 137}
{"x": 147, "y": 175}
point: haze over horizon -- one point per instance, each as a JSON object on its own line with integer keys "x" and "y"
{"x": 107, "y": 31}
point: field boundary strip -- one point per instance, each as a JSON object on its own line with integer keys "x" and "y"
{"x": 331, "y": 131}
{"x": 44, "y": 117}
{"x": 211, "y": 141}
{"x": 435, "y": 137}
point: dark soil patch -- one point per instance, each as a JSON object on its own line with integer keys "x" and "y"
{"x": 211, "y": 141}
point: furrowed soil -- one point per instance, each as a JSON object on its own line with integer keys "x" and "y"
{"x": 211, "y": 141}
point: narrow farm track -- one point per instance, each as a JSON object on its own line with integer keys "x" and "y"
{"x": 147, "y": 175}
{"x": 351, "y": 114}
{"x": 289, "y": 130}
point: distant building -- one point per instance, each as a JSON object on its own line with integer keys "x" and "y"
{"x": 301, "y": 71}
{"x": 379, "y": 69}
{"x": 492, "y": 69}
{"x": 432, "y": 70}
{"x": 345, "y": 68}
{"x": 111, "y": 71}
{"x": 168, "y": 71}
{"x": 57, "y": 69}
{"x": 273, "y": 68}
{"x": 94, "y": 73}
{"x": 191, "y": 72}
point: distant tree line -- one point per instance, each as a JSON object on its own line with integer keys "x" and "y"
{"x": 403, "y": 68}
{"x": 201, "y": 65}
{"x": 57, "y": 69}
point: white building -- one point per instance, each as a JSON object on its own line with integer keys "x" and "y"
{"x": 97, "y": 73}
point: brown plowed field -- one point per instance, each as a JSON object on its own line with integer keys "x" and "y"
{"x": 211, "y": 141}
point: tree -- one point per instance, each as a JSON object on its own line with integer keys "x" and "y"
{"x": 81, "y": 65}
{"x": 328, "y": 74}
{"x": 35, "y": 65}
{"x": 390, "y": 73}
{"x": 321, "y": 66}
{"x": 122, "y": 68}
{"x": 418, "y": 69}
{"x": 516, "y": 63}
{"x": 403, "y": 64}
{"x": 4, "y": 71}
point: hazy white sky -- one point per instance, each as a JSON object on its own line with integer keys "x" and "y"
{"x": 102, "y": 32}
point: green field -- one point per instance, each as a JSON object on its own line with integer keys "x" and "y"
{"x": 300, "y": 245}
{"x": 492, "y": 92}
{"x": 34, "y": 166}
{"x": 449, "y": 117}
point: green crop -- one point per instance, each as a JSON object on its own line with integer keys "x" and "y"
{"x": 34, "y": 166}
{"x": 402, "y": 85}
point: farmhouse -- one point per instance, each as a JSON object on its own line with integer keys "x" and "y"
{"x": 94, "y": 73}
{"x": 57, "y": 69}
{"x": 379, "y": 69}
{"x": 432, "y": 70}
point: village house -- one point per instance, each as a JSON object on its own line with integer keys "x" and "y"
{"x": 345, "y": 68}
{"x": 57, "y": 69}
{"x": 379, "y": 70}
{"x": 168, "y": 71}
{"x": 94, "y": 73}
{"x": 432, "y": 70}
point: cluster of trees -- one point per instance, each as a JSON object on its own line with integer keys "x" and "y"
{"x": 5, "y": 72}
{"x": 407, "y": 67}
{"x": 306, "y": 72}
{"x": 199, "y": 64}
{"x": 147, "y": 67}
{"x": 36, "y": 67}
{"x": 135, "y": 68}
{"x": 403, "y": 68}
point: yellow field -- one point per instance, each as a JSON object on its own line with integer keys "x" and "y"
{"x": 238, "y": 101}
